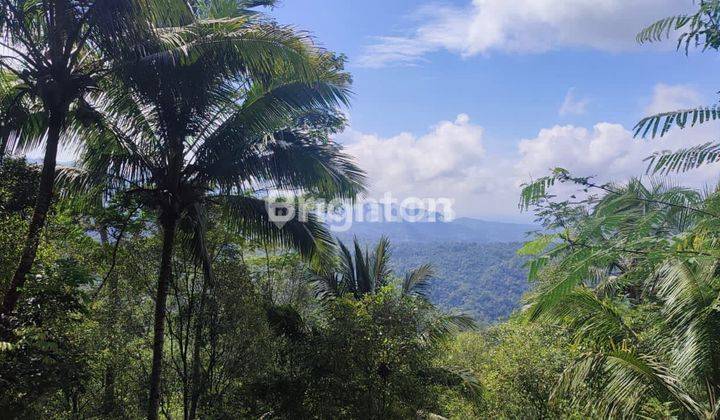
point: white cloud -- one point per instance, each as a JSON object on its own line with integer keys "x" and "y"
{"x": 451, "y": 159}
{"x": 572, "y": 105}
{"x": 525, "y": 26}
{"x": 447, "y": 162}
{"x": 672, "y": 98}
{"x": 406, "y": 161}
{"x": 610, "y": 152}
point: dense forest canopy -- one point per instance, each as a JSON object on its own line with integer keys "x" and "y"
{"x": 149, "y": 280}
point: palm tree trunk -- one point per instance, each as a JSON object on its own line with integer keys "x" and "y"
{"x": 42, "y": 206}
{"x": 168, "y": 224}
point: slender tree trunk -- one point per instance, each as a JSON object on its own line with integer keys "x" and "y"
{"x": 108, "y": 402}
{"x": 269, "y": 286}
{"x": 4, "y": 142}
{"x": 168, "y": 223}
{"x": 42, "y": 206}
{"x": 197, "y": 381}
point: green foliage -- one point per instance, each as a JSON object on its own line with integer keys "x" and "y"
{"x": 265, "y": 344}
{"x": 634, "y": 280}
{"x": 701, "y": 28}
{"x": 220, "y": 105}
{"x": 18, "y": 187}
{"x": 518, "y": 367}
{"x": 683, "y": 160}
{"x": 45, "y": 369}
{"x": 660, "y": 124}
{"x": 366, "y": 362}
{"x": 537, "y": 189}
{"x": 538, "y": 245}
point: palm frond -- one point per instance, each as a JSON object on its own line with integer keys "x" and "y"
{"x": 238, "y": 46}
{"x": 625, "y": 380}
{"x": 591, "y": 317}
{"x": 699, "y": 29}
{"x": 249, "y": 215}
{"x": 365, "y": 281}
{"x": 230, "y": 8}
{"x": 550, "y": 294}
{"x": 380, "y": 262}
{"x": 347, "y": 272}
{"x": 417, "y": 280}
{"x": 289, "y": 160}
{"x": 663, "y": 28}
{"x": 440, "y": 325}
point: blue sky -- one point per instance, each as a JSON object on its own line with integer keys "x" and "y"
{"x": 512, "y": 94}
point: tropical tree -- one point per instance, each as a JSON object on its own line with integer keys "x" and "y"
{"x": 633, "y": 276}
{"x": 364, "y": 272}
{"x": 54, "y": 54}
{"x": 361, "y": 274}
{"x": 519, "y": 365}
{"x": 245, "y": 106}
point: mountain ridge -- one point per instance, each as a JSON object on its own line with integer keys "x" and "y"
{"x": 462, "y": 229}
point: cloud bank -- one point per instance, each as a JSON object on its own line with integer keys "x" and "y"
{"x": 519, "y": 26}
{"x": 451, "y": 159}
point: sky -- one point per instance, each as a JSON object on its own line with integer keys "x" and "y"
{"x": 468, "y": 99}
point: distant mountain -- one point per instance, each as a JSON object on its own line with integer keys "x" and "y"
{"x": 458, "y": 230}
{"x": 478, "y": 271}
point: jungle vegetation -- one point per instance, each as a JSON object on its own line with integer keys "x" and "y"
{"x": 146, "y": 280}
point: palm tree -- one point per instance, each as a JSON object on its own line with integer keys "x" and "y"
{"x": 363, "y": 273}
{"x": 622, "y": 366}
{"x": 54, "y": 54}
{"x": 213, "y": 125}
{"x": 366, "y": 273}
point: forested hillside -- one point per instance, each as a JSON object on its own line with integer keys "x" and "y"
{"x": 476, "y": 268}
{"x": 486, "y": 281}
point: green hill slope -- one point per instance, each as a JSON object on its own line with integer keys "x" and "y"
{"x": 486, "y": 281}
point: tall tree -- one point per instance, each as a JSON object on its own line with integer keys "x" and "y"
{"x": 241, "y": 105}
{"x": 54, "y": 54}
{"x": 360, "y": 274}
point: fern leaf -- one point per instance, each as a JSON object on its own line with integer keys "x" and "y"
{"x": 534, "y": 192}
{"x": 662, "y": 29}
{"x": 668, "y": 120}
{"x": 683, "y": 160}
